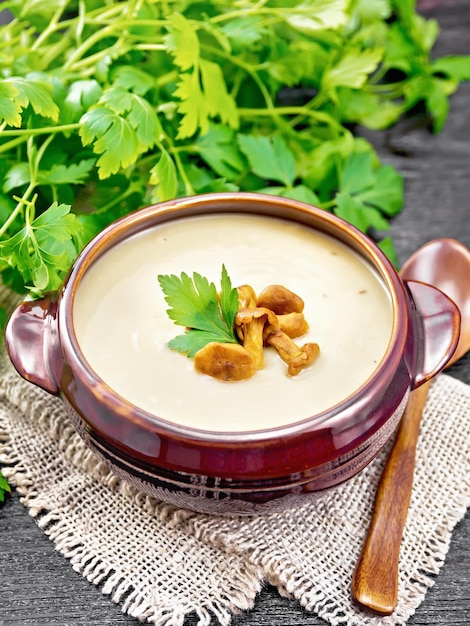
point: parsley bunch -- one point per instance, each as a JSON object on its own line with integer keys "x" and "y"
{"x": 106, "y": 107}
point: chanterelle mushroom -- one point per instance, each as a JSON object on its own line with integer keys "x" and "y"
{"x": 296, "y": 357}
{"x": 249, "y": 324}
{"x": 281, "y": 300}
{"x": 225, "y": 361}
{"x": 293, "y": 324}
{"x": 246, "y": 297}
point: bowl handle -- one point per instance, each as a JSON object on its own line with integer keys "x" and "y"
{"x": 438, "y": 329}
{"x": 30, "y": 337}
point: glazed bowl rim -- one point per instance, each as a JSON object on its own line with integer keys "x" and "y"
{"x": 204, "y": 204}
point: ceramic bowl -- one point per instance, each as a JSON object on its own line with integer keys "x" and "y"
{"x": 248, "y": 472}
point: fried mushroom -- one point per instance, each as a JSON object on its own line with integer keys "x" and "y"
{"x": 229, "y": 362}
{"x": 293, "y": 324}
{"x": 249, "y": 325}
{"x": 281, "y": 300}
{"x": 246, "y": 297}
{"x": 296, "y": 357}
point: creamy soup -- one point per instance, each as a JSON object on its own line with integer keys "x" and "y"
{"x": 123, "y": 329}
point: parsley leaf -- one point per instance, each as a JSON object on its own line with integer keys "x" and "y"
{"x": 17, "y": 92}
{"x": 352, "y": 69}
{"x": 218, "y": 149}
{"x": 182, "y": 41}
{"x": 43, "y": 250}
{"x": 313, "y": 15}
{"x": 165, "y": 178}
{"x": 269, "y": 158}
{"x": 194, "y": 303}
{"x": 4, "y": 487}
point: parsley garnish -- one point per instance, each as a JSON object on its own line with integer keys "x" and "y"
{"x": 194, "y": 303}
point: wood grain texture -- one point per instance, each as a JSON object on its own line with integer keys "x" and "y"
{"x": 38, "y": 587}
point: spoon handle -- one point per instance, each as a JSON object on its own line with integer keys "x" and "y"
{"x": 375, "y": 581}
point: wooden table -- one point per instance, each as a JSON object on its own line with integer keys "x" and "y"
{"x": 38, "y": 586}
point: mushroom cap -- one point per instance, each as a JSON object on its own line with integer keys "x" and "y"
{"x": 248, "y": 317}
{"x": 246, "y": 296}
{"x": 280, "y": 300}
{"x": 225, "y": 361}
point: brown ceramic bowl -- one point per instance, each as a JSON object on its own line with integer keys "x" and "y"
{"x": 252, "y": 471}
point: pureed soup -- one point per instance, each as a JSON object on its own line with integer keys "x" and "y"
{"x": 122, "y": 327}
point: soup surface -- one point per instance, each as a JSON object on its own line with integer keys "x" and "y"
{"x": 123, "y": 329}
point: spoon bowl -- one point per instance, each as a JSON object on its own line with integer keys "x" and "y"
{"x": 445, "y": 264}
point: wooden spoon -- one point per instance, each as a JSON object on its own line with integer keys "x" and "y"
{"x": 445, "y": 264}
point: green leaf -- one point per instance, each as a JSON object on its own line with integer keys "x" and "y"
{"x": 57, "y": 223}
{"x": 437, "y": 104}
{"x": 357, "y": 172}
{"x": 82, "y": 94}
{"x": 417, "y": 89}
{"x": 372, "y": 10}
{"x": 74, "y": 174}
{"x": 228, "y": 299}
{"x": 17, "y": 176}
{"x": 367, "y": 109}
{"x": 43, "y": 251}
{"x": 217, "y": 185}
{"x": 352, "y": 69}
{"x": 164, "y": 176}
{"x": 116, "y": 139}
{"x": 194, "y": 303}
{"x": 454, "y": 66}
{"x": 322, "y": 166}
{"x": 400, "y": 50}
{"x": 301, "y": 193}
{"x": 387, "y": 191}
{"x": 245, "y": 31}
{"x": 388, "y": 248}
{"x": 138, "y": 111}
{"x": 424, "y": 32}
{"x": 219, "y": 150}
{"x": 354, "y": 210}
{"x": 283, "y": 63}
{"x": 17, "y": 92}
{"x": 311, "y": 16}
{"x": 192, "y": 106}
{"x": 3, "y": 319}
{"x": 194, "y": 340}
{"x": 10, "y": 105}
{"x": 220, "y": 103}
{"x": 133, "y": 79}
{"x": 270, "y": 159}
{"x": 351, "y": 210}
{"x": 4, "y": 487}
{"x": 182, "y": 41}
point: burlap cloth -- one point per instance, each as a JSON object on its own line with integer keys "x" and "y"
{"x": 161, "y": 563}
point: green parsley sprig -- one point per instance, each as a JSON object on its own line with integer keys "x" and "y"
{"x": 107, "y": 107}
{"x": 195, "y": 304}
